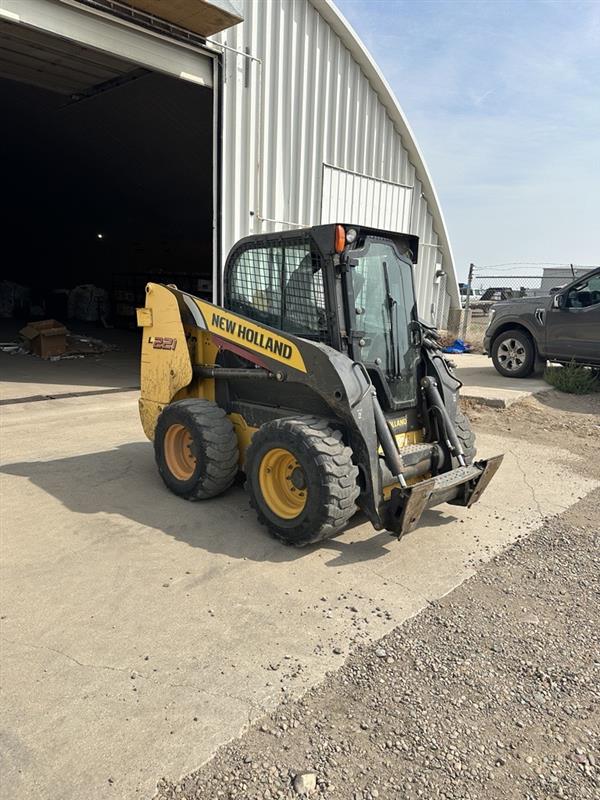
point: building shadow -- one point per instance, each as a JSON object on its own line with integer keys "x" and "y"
{"x": 124, "y": 481}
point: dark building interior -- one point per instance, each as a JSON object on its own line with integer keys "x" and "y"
{"x": 107, "y": 177}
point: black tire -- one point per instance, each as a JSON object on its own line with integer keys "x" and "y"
{"x": 513, "y": 353}
{"x": 466, "y": 435}
{"x": 327, "y": 475}
{"x": 211, "y": 458}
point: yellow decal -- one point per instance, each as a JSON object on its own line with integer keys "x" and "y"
{"x": 398, "y": 422}
{"x": 144, "y": 317}
{"x": 251, "y": 336}
{"x": 406, "y": 438}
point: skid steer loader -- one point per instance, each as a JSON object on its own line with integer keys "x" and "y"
{"x": 315, "y": 379}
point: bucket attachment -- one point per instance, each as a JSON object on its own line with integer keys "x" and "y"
{"x": 462, "y": 486}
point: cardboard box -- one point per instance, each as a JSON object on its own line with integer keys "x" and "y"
{"x": 46, "y": 338}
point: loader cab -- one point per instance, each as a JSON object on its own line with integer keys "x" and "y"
{"x": 347, "y": 286}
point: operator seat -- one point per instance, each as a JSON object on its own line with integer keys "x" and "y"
{"x": 301, "y": 309}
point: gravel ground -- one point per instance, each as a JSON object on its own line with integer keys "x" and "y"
{"x": 491, "y": 692}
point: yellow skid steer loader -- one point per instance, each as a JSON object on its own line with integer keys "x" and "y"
{"x": 316, "y": 379}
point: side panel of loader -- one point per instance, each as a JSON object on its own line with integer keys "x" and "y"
{"x": 166, "y": 366}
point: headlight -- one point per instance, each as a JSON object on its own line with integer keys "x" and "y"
{"x": 492, "y": 315}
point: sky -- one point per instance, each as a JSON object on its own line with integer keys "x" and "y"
{"x": 504, "y": 101}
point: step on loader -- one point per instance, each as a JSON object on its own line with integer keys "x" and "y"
{"x": 316, "y": 380}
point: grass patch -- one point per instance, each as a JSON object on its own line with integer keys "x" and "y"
{"x": 573, "y": 379}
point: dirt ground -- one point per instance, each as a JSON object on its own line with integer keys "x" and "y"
{"x": 492, "y": 691}
{"x": 566, "y": 421}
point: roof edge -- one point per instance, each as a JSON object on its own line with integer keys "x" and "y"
{"x": 334, "y": 17}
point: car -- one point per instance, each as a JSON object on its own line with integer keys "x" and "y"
{"x": 490, "y": 297}
{"x": 562, "y": 327}
{"x": 474, "y": 294}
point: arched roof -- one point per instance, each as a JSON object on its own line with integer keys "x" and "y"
{"x": 333, "y": 16}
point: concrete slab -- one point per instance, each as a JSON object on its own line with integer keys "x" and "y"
{"x": 140, "y": 632}
{"x": 27, "y": 376}
{"x": 483, "y": 384}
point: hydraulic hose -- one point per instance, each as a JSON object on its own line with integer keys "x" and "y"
{"x": 430, "y": 387}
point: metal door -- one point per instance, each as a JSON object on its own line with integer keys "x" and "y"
{"x": 361, "y": 199}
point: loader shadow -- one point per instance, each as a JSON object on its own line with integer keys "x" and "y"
{"x": 378, "y": 543}
{"x": 124, "y": 481}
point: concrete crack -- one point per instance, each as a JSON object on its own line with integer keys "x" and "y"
{"x": 69, "y": 657}
{"x": 527, "y": 483}
{"x": 250, "y": 704}
{"x": 388, "y": 579}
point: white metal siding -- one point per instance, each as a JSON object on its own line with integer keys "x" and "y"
{"x": 351, "y": 197}
{"x": 307, "y": 103}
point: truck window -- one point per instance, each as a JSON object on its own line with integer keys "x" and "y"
{"x": 586, "y": 293}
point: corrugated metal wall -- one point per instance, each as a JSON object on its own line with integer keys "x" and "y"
{"x": 306, "y": 103}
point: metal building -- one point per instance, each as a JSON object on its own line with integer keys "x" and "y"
{"x": 266, "y": 114}
{"x": 559, "y": 276}
{"x": 313, "y": 133}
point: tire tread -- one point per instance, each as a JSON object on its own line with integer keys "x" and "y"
{"x": 466, "y": 435}
{"x": 220, "y": 461}
{"x": 339, "y": 475}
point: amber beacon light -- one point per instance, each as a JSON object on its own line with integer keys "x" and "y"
{"x": 340, "y": 238}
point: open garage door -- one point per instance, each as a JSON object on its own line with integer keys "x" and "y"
{"x": 108, "y": 178}
{"x": 106, "y": 35}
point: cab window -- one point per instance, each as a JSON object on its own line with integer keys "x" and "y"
{"x": 280, "y": 286}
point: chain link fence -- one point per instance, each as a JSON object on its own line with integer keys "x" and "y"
{"x": 487, "y": 290}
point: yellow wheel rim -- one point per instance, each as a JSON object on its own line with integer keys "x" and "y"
{"x": 179, "y": 452}
{"x": 282, "y": 483}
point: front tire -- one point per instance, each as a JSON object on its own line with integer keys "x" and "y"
{"x": 513, "y": 353}
{"x": 466, "y": 436}
{"x": 196, "y": 449}
{"x": 301, "y": 479}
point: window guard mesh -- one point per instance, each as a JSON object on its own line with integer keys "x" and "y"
{"x": 280, "y": 284}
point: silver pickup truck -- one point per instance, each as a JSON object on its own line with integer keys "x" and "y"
{"x": 562, "y": 327}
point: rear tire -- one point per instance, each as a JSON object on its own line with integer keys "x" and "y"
{"x": 196, "y": 449}
{"x": 466, "y": 436}
{"x": 301, "y": 479}
{"x": 513, "y": 353}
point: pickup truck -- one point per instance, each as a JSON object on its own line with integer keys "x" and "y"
{"x": 562, "y": 327}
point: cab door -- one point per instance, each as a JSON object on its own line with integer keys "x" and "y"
{"x": 573, "y": 321}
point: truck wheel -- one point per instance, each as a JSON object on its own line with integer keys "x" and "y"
{"x": 301, "y": 479}
{"x": 196, "y": 449}
{"x": 513, "y": 353}
{"x": 466, "y": 435}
